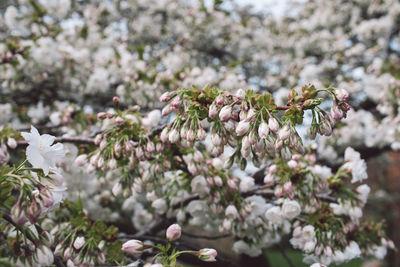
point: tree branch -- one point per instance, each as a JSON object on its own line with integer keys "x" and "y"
{"x": 206, "y": 237}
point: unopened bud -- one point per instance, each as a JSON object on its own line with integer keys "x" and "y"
{"x": 18, "y": 214}
{"x": 101, "y": 115}
{"x": 81, "y": 160}
{"x": 11, "y": 143}
{"x": 79, "y": 242}
{"x": 46, "y": 196}
{"x": 225, "y": 113}
{"x": 133, "y": 247}
{"x": 207, "y": 254}
{"x": 273, "y": 124}
{"x": 263, "y": 130}
{"x": 173, "y": 232}
{"x": 34, "y": 211}
{"x": 119, "y": 120}
{"x": 342, "y": 95}
{"x": 242, "y": 128}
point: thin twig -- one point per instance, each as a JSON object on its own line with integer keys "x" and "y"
{"x": 207, "y": 237}
{"x": 282, "y": 250}
{"x": 75, "y": 140}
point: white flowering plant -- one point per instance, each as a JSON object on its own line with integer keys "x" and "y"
{"x": 119, "y": 119}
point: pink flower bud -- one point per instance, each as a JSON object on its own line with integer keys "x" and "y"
{"x": 173, "y": 136}
{"x": 284, "y": 133}
{"x": 117, "y": 147}
{"x": 100, "y": 162}
{"x": 292, "y": 164}
{"x": 164, "y": 135}
{"x": 176, "y": 102}
{"x": 103, "y": 144}
{"x": 183, "y": 132}
{"x": 242, "y": 128}
{"x": 243, "y": 115}
{"x": 328, "y": 251}
{"x": 165, "y": 97}
{"x": 218, "y": 181}
{"x": 263, "y": 130}
{"x": 117, "y": 189}
{"x": 90, "y": 168}
{"x": 296, "y": 157}
{"x": 79, "y": 242}
{"x": 278, "y": 144}
{"x": 201, "y": 134}
{"x": 128, "y": 146}
{"x": 210, "y": 181}
{"x": 101, "y": 115}
{"x": 192, "y": 168}
{"x": 198, "y": 156}
{"x": 190, "y": 136}
{"x": 4, "y": 156}
{"x": 273, "y": 124}
{"x": 139, "y": 153}
{"x": 297, "y": 232}
{"x": 97, "y": 139}
{"x": 68, "y": 253}
{"x": 93, "y": 159}
{"x": 251, "y": 113}
{"x": 133, "y": 247}
{"x": 18, "y": 214}
{"x": 44, "y": 256}
{"x": 225, "y": 113}
{"x": 119, "y": 120}
{"x": 288, "y": 187}
{"x": 219, "y": 100}
{"x": 167, "y": 110}
{"x": 159, "y": 147}
{"x": 336, "y": 113}
{"x": 101, "y": 259}
{"x": 34, "y": 210}
{"x": 269, "y": 179}
{"x": 207, "y": 254}
{"x": 245, "y": 151}
{"x": 272, "y": 169}
{"x": 245, "y": 142}
{"x": 112, "y": 164}
{"x": 232, "y": 184}
{"x": 173, "y": 232}
{"x": 252, "y": 138}
{"x": 325, "y": 128}
{"x": 342, "y": 95}
{"x": 46, "y": 196}
{"x": 150, "y": 147}
{"x": 11, "y": 143}
{"x": 212, "y": 111}
{"x": 216, "y": 139}
{"x": 278, "y": 191}
{"x": 81, "y": 160}
{"x": 116, "y": 99}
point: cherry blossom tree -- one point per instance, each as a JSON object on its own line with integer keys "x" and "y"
{"x": 124, "y": 123}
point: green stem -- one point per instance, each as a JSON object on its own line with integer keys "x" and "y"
{"x": 20, "y": 166}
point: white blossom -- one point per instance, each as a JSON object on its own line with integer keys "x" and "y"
{"x": 41, "y": 152}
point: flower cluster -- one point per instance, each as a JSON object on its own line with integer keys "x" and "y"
{"x": 165, "y": 257}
